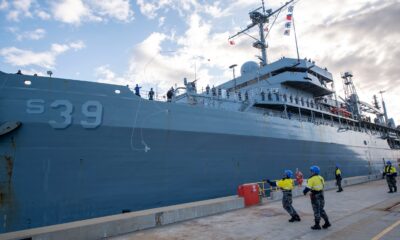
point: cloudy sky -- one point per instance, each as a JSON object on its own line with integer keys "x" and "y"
{"x": 158, "y": 42}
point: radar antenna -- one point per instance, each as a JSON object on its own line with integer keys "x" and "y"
{"x": 259, "y": 19}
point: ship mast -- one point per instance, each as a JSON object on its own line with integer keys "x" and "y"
{"x": 384, "y": 108}
{"x": 259, "y": 19}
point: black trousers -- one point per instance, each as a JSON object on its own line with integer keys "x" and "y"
{"x": 339, "y": 183}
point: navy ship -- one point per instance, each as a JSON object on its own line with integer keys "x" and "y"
{"x": 73, "y": 150}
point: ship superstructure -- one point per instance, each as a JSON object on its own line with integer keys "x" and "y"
{"x": 73, "y": 150}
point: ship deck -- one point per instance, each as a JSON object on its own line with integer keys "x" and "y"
{"x": 364, "y": 211}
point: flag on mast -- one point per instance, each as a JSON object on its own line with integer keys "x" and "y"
{"x": 288, "y": 23}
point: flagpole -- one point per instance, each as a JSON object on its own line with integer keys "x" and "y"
{"x": 295, "y": 39}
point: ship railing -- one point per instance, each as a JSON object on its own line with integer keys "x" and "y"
{"x": 158, "y": 96}
{"x": 262, "y": 190}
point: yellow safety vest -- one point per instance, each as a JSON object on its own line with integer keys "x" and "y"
{"x": 316, "y": 183}
{"x": 338, "y": 172}
{"x": 285, "y": 184}
{"x": 390, "y": 169}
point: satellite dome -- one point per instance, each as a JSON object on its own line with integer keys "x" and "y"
{"x": 249, "y": 67}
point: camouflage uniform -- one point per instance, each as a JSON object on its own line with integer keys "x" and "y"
{"x": 391, "y": 174}
{"x": 318, "y": 203}
{"x": 287, "y": 203}
{"x": 391, "y": 181}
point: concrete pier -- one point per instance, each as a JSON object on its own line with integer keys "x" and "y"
{"x": 363, "y": 211}
{"x": 103, "y": 227}
{"x": 366, "y": 203}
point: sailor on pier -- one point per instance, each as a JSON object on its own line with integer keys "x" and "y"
{"x": 315, "y": 184}
{"x": 286, "y": 184}
{"x": 390, "y": 173}
{"x": 338, "y": 176}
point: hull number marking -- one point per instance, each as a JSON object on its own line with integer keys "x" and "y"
{"x": 92, "y": 112}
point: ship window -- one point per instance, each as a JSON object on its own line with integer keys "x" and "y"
{"x": 27, "y": 82}
{"x": 117, "y": 91}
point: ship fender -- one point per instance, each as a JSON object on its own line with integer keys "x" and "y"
{"x": 9, "y": 127}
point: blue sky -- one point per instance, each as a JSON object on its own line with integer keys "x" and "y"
{"x": 158, "y": 43}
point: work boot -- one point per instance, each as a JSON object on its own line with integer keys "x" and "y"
{"x": 297, "y": 218}
{"x": 326, "y": 225}
{"x": 395, "y": 189}
{"x": 316, "y": 226}
{"x": 390, "y": 191}
{"x": 293, "y": 219}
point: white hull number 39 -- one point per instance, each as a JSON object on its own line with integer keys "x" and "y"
{"x": 62, "y": 112}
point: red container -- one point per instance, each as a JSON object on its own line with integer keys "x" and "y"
{"x": 240, "y": 190}
{"x": 249, "y": 192}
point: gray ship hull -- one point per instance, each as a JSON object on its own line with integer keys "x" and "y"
{"x": 146, "y": 154}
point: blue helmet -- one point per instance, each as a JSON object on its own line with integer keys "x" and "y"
{"x": 315, "y": 169}
{"x": 389, "y": 163}
{"x": 289, "y": 173}
{"x": 337, "y": 165}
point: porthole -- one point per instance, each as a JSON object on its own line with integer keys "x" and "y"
{"x": 117, "y": 91}
{"x": 27, "y": 82}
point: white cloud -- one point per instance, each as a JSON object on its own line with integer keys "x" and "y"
{"x": 148, "y": 9}
{"x": 105, "y": 75}
{"x": 154, "y": 8}
{"x": 78, "y": 11}
{"x": 36, "y": 34}
{"x": 13, "y": 15}
{"x": 3, "y": 5}
{"x": 77, "y": 45}
{"x": 70, "y": 11}
{"x": 22, "y": 5}
{"x": 118, "y": 9}
{"x": 161, "y": 21}
{"x": 43, "y": 15}
{"x": 46, "y": 59}
{"x": 198, "y": 49}
{"x": 20, "y": 57}
{"x": 20, "y": 8}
